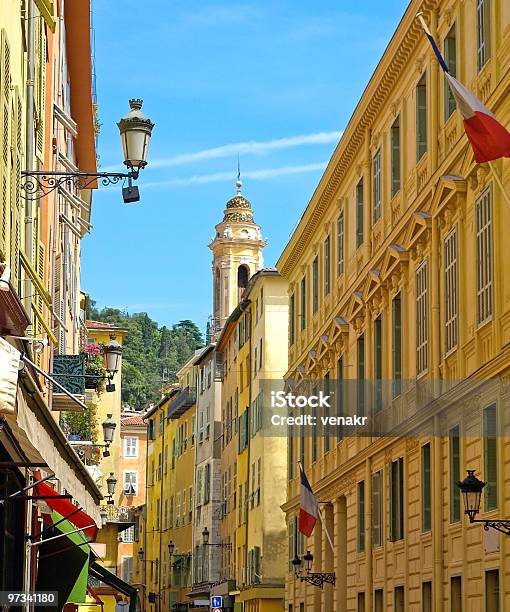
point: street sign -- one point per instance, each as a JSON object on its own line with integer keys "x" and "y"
{"x": 216, "y": 602}
{"x": 216, "y": 610}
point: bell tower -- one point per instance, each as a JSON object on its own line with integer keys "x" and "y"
{"x": 237, "y": 256}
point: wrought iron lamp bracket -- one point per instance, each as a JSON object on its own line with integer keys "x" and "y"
{"x": 318, "y": 578}
{"x": 39, "y": 183}
{"x": 500, "y": 525}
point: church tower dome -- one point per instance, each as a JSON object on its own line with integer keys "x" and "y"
{"x": 237, "y": 256}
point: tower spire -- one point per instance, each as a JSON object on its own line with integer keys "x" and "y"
{"x": 239, "y": 183}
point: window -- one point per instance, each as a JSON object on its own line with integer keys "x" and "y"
{"x": 421, "y": 117}
{"x": 378, "y": 363}
{"x": 315, "y": 285}
{"x": 395, "y": 156}
{"x": 426, "y": 488}
{"x": 376, "y": 186}
{"x": 128, "y": 535}
{"x": 290, "y": 452}
{"x": 130, "y": 447}
{"x": 207, "y": 483}
{"x": 454, "y": 452}
{"x": 361, "y": 516}
{"x": 492, "y": 590}
{"x": 340, "y": 244}
{"x": 379, "y": 600}
{"x": 361, "y": 375}
{"x": 151, "y": 432}
{"x": 377, "y": 508}
{"x": 422, "y": 319}
{"x": 260, "y": 353}
{"x": 340, "y": 393}
{"x": 490, "y": 457}
{"x": 302, "y": 447}
{"x": 399, "y": 603}
{"x": 450, "y": 290}
{"x": 359, "y": 214}
{"x": 302, "y": 314}
{"x": 127, "y": 569}
{"x": 292, "y": 320}
{"x": 426, "y": 597}
{"x": 396, "y": 309}
{"x": 450, "y": 57}
{"x": 327, "y": 266}
{"x": 326, "y": 433}
{"x": 397, "y": 499}
{"x": 483, "y": 32}
{"x": 484, "y": 256}
{"x": 456, "y": 594}
{"x": 314, "y": 434}
{"x": 130, "y": 483}
{"x": 361, "y": 601}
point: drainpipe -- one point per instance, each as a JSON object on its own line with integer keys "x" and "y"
{"x": 29, "y": 144}
{"x": 29, "y": 229}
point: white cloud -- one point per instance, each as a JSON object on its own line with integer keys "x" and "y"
{"x": 251, "y": 147}
{"x": 221, "y": 177}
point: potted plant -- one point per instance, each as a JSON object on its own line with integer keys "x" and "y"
{"x": 94, "y": 366}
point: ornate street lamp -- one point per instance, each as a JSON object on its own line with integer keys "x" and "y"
{"x": 135, "y": 132}
{"x": 316, "y": 578}
{"x": 104, "y": 517}
{"x": 108, "y": 426}
{"x": 471, "y": 488}
{"x": 171, "y": 548}
{"x": 111, "y": 481}
{"x": 112, "y": 352}
{"x": 205, "y": 540}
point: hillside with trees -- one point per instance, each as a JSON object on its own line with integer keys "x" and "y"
{"x": 152, "y": 355}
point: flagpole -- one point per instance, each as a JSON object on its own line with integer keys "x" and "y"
{"x": 326, "y": 532}
{"x": 500, "y": 183}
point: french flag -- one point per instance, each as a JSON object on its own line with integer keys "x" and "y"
{"x": 489, "y": 139}
{"x": 309, "y": 508}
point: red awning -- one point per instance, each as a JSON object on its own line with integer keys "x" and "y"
{"x": 79, "y": 518}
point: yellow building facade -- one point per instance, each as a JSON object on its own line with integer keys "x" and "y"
{"x": 253, "y": 465}
{"x": 398, "y": 274}
{"x": 165, "y": 554}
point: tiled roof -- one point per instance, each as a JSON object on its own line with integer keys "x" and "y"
{"x": 136, "y": 420}
{"x": 98, "y": 324}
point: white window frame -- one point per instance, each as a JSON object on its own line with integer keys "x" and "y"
{"x": 128, "y": 445}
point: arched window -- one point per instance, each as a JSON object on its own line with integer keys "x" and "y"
{"x": 243, "y": 274}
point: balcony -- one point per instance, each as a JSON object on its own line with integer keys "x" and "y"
{"x": 68, "y": 371}
{"x": 181, "y": 403}
{"x": 123, "y": 517}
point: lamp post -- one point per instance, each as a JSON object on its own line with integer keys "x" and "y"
{"x": 111, "y": 482}
{"x": 205, "y": 540}
{"x": 471, "y": 488}
{"x": 316, "y": 578}
{"x": 135, "y": 132}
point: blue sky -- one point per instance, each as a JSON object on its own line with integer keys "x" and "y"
{"x": 273, "y": 80}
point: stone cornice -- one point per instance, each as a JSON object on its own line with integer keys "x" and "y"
{"x": 379, "y": 89}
